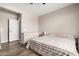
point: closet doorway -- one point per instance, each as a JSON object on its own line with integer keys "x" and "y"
{"x": 13, "y": 29}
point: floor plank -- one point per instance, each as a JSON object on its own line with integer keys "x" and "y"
{"x": 15, "y": 49}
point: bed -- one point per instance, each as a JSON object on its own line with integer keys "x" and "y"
{"x": 50, "y": 45}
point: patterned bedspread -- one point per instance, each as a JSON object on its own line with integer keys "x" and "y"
{"x": 47, "y": 50}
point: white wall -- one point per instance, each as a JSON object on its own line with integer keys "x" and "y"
{"x": 65, "y": 20}
{"x": 29, "y": 21}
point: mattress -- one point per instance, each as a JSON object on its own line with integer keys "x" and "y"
{"x": 62, "y": 44}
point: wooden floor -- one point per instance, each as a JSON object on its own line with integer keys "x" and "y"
{"x": 15, "y": 49}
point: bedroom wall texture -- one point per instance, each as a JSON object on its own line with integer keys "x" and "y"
{"x": 62, "y": 21}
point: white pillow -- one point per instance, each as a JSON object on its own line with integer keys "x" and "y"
{"x": 68, "y": 35}
{"x": 52, "y": 35}
{"x": 60, "y": 35}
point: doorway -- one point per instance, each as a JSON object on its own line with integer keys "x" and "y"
{"x": 13, "y": 30}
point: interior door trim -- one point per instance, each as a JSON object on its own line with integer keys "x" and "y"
{"x": 8, "y": 31}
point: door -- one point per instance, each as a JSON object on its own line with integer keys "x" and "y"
{"x": 13, "y": 30}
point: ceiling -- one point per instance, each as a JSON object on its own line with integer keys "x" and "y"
{"x": 39, "y": 8}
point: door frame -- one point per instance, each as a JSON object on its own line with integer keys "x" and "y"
{"x": 8, "y": 31}
{"x": 18, "y": 28}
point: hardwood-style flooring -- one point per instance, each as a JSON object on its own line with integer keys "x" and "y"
{"x": 15, "y": 49}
